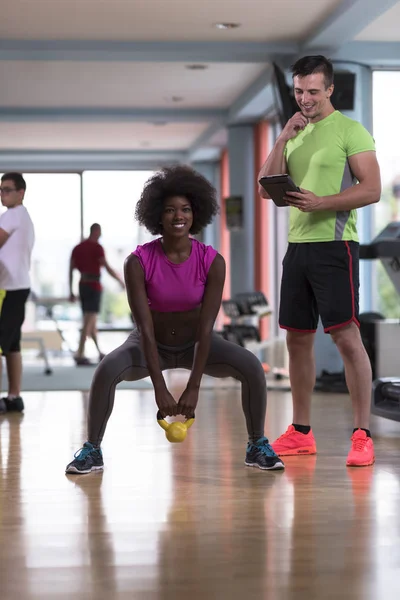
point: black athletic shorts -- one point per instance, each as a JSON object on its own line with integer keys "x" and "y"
{"x": 90, "y": 298}
{"x": 12, "y": 316}
{"x": 319, "y": 279}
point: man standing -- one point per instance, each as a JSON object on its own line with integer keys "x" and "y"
{"x": 17, "y": 237}
{"x": 88, "y": 257}
{"x": 325, "y": 153}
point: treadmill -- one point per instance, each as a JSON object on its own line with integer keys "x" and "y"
{"x": 384, "y": 334}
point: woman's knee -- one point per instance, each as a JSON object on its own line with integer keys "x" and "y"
{"x": 106, "y": 369}
{"x": 113, "y": 366}
{"x": 251, "y": 368}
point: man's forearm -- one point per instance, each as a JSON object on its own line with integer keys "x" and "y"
{"x": 273, "y": 164}
{"x": 114, "y": 274}
{"x": 354, "y": 197}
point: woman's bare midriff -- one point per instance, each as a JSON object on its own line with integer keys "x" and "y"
{"x": 176, "y": 328}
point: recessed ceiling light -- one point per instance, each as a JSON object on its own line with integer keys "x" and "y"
{"x": 227, "y": 25}
{"x": 173, "y": 98}
{"x": 196, "y": 67}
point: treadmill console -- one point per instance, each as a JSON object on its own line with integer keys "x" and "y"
{"x": 391, "y": 232}
{"x": 385, "y": 245}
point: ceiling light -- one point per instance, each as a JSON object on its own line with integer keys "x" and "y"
{"x": 173, "y": 98}
{"x": 226, "y": 25}
{"x": 196, "y": 67}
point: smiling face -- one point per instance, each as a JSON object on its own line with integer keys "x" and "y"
{"x": 177, "y": 217}
{"x": 312, "y": 96}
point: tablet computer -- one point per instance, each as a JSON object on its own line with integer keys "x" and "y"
{"x": 277, "y": 185}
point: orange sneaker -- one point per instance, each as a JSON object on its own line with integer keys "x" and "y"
{"x": 362, "y": 450}
{"x": 293, "y": 442}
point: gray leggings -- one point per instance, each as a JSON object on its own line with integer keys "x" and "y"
{"x": 225, "y": 359}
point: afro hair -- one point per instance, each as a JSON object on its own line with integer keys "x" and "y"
{"x": 176, "y": 181}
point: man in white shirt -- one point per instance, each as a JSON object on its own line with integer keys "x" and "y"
{"x": 17, "y": 237}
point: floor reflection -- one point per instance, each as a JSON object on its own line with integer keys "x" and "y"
{"x": 167, "y": 521}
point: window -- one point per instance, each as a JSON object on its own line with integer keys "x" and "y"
{"x": 109, "y": 198}
{"x": 53, "y": 202}
{"x": 387, "y": 134}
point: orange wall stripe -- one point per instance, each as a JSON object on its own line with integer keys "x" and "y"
{"x": 261, "y": 226}
{"x": 225, "y": 244}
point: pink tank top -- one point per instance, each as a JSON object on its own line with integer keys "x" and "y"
{"x": 174, "y": 287}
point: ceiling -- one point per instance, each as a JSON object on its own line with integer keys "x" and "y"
{"x": 162, "y": 20}
{"x": 383, "y": 29}
{"x": 122, "y": 84}
{"x": 130, "y": 84}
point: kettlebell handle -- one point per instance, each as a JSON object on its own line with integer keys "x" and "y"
{"x": 165, "y": 425}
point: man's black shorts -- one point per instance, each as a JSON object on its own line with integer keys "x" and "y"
{"x": 12, "y": 316}
{"x": 319, "y": 279}
{"x": 90, "y": 298}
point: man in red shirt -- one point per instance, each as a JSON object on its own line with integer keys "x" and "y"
{"x": 88, "y": 257}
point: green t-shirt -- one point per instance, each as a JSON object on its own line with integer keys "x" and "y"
{"x": 317, "y": 160}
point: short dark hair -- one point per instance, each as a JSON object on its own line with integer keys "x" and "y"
{"x": 94, "y": 226}
{"x": 16, "y": 178}
{"x": 182, "y": 181}
{"x": 314, "y": 64}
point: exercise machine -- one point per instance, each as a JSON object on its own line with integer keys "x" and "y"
{"x": 386, "y": 398}
{"x": 244, "y": 311}
{"x": 381, "y": 336}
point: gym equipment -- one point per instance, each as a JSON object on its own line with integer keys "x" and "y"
{"x": 386, "y": 245}
{"x": 244, "y": 310}
{"x": 331, "y": 383}
{"x": 176, "y": 431}
{"x": 386, "y": 398}
{"x": 381, "y": 336}
{"x": 370, "y": 331}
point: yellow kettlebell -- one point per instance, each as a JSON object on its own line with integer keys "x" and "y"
{"x": 174, "y": 432}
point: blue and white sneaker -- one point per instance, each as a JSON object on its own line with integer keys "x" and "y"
{"x": 261, "y": 454}
{"x": 89, "y": 459}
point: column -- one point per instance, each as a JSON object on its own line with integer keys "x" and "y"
{"x": 362, "y": 112}
{"x": 242, "y": 184}
{"x": 211, "y": 171}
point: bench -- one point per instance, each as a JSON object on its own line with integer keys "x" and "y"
{"x": 45, "y": 340}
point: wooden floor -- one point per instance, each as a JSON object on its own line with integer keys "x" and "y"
{"x": 168, "y": 522}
